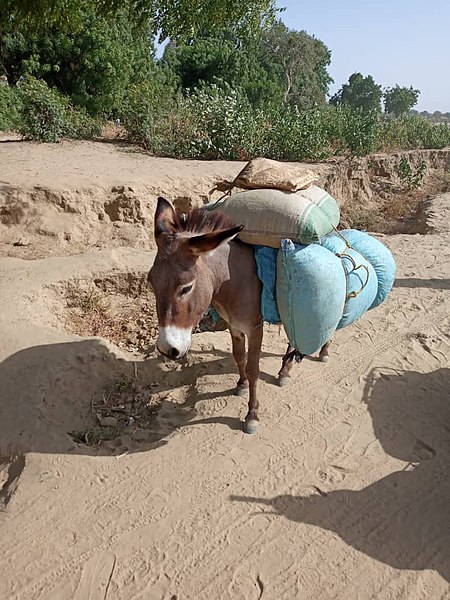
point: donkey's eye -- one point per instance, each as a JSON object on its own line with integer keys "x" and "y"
{"x": 186, "y": 289}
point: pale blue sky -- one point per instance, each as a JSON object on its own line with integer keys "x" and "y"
{"x": 395, "y": 41}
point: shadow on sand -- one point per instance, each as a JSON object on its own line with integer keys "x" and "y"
{"x": 410, "y": 282}
{"x": 46, "y": 392}
{"x": 402, "y": 520}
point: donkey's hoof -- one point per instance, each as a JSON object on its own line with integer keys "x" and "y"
{"x": 241, "y": 390}
{"x": 250, "y": 426}
{"x": 324, "y": 359}
{"x": 284, "y": 381}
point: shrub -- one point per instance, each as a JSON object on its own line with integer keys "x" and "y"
{"x": 411, "y": 178}
{"x": 360, "y": 130}
{"x": 44, "y": 111}
{"x": 9, "y": 108}
{"x": 297, "y": 135}
{"x": 146, "y": 115}
{"x": 80, "y": 125}
{"x": 410, "y": 132}
{"x": 218, "y": 124}
{"x": 47, "y": 116}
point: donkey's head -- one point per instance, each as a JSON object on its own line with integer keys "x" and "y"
{"x": 181, "y": 278}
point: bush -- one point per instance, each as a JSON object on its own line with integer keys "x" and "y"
{"x": 410, "y": 132}
{"x": 146, "y": 115}
{"x": 80, "y": 125}
{"x": 360, "y": 130}
{"x": 218, "y": 123}
{"x": 9, "y": 108}
{"x": 47, "y": 116}
{"x": 297, "y": 135}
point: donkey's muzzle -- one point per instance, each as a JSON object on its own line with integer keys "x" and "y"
{"x": 174, "y": 342}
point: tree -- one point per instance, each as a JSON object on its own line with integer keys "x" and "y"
{"x": 224, "y": 58}
{"x": 303, "y": 60}
{"x": 359, "y": 92}
{"x": 399, "y": 100}
{"x": 276, "y": 66}
{"x": 93, "y": 65}
{"x": 166, "y": 18}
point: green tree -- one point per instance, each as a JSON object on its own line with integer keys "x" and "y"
{"x": 168, "y": 18}
{"x": 400, "y": 100}
{"x": 303, "y": 60}
{"x": 276, "y": 66}
{"x": 359, "y": 92}
{"x": 94, "y": 65}
{"x": 223, "y": 58}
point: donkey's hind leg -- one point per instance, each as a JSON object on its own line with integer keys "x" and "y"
{"x": 284, "y": 374}
{"x": 238, "y": 342}
{"x": 324, "y": 354}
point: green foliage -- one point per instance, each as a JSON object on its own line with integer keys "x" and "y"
{"x": 232, "y": 84}
{"x": 412, "y": 178}
{"x": 361, "y": 130}
{"x": 296, "y": 135}
{"x": 275, "y": 66}
{"x": 400, "y": 100}
{"x": 222, "y": 124}
{"x": 9, "y": 108}
{"x": 223, "y": 58}
{"x": 180, "y": 19}
{"x": 410, "y": 132}
{"x": 146, "y": 115}
{"x": 302, "y": 61}
{"x": 217, "y": 122}
{"x": 47, "y": 116}
{"x": 94, "y": 64}
{"x": 359, "y": 92}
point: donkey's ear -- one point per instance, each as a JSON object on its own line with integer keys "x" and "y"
{"x": 207, "y": 242}
{"x": 165, "y": 217}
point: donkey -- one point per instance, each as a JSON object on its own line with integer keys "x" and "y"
{"x": 198, "y": 265}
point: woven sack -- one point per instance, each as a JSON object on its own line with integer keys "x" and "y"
{"x": 271, "y": 215}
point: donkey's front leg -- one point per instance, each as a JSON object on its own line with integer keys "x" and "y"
{"x": 252, "y": 371}
{"x": 238, "y": 342}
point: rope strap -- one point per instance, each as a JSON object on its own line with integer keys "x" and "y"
{"x": 355, "y": 268}
{"x": 343, "y": 255}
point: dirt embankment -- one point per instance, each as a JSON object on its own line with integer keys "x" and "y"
{"x": 77, "y": 196}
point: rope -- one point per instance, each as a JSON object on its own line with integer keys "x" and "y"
{"x": 227, "y": 193}
{"x": 343, "y": 255}
{"x": 355, "y": 268}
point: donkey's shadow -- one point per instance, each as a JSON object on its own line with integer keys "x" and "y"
{"x": 402, "y": 520}
{"x": 46, "y": 392}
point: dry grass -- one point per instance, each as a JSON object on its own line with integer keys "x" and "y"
{"x": 396, "y": 211}
{"x": 129, "y": 322}
{"x": 124, "y": 406}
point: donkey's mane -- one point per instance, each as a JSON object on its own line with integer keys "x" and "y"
{"x": 200, "y": 220}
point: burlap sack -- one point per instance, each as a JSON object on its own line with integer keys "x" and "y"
{"x": 262, "y": 173}
{"x": 271, "y": 215}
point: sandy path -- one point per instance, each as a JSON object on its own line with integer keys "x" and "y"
{"x": 343, "y": 493}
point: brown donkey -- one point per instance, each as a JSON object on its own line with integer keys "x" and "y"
{"x": 196, "y": 266}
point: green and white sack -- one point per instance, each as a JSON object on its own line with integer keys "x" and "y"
{"x": 270, "y": 215}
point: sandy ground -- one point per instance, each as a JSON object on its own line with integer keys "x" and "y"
{"x": 343, "y": 493}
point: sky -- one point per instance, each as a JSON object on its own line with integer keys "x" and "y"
{"x": 397, "y": 42}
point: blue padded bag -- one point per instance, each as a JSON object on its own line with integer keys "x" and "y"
{"x": 311, "y": 290}
{"x": 327, "y": 285}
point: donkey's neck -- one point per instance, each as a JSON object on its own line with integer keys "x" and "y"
{"x": 218, "y": 263}
{"x": 237, "y": 289}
